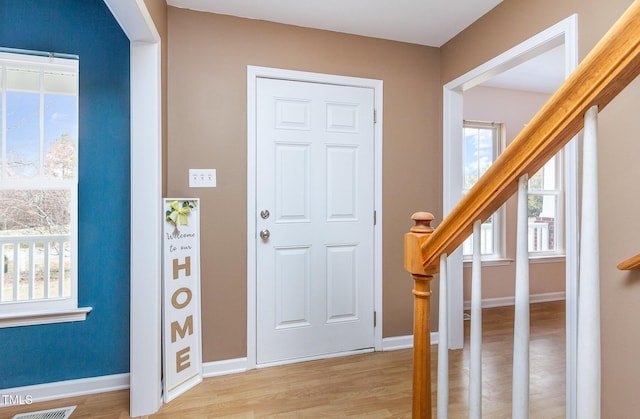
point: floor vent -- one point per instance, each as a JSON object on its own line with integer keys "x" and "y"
{"x": 59, "y": 413}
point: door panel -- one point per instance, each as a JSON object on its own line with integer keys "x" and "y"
{"x": 293, "y": 280}
{"x": 342, "y": 284}
{"x": 342, "y": 187}
{"x": 292, "y": 182}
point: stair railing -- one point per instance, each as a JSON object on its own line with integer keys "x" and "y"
{"x": 603, "y": 74}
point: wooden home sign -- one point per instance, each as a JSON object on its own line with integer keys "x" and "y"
{"x": 181, "y": 330}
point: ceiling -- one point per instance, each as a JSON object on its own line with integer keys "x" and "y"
{"x": 424, "y": 22}
{"x": 543, "y": 73}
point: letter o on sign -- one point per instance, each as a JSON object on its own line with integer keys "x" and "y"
{"x": 187, "y": 300}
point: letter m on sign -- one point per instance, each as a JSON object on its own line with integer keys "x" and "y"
{"x": 178, "y": 330}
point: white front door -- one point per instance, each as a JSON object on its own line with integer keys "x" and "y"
{"x": 315, "y": 217}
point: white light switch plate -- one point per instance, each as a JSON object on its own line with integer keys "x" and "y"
{"x": 202, "y": 178}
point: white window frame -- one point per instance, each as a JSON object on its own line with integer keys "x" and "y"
{"x": 50, "y": 310}
{"x": 499, "y": 227}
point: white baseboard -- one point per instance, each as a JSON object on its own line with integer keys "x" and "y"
{"x": 404, "y": 342}
{"x": 509, "y": 301}
{"x": 64, "y": 389}
{"x": 397, "y": 342}
{"x": 227, "y": 366}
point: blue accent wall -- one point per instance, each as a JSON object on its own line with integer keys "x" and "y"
{"x": 100, "y": 345}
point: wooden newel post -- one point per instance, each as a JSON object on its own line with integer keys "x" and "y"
{"x": 413, "y": 259}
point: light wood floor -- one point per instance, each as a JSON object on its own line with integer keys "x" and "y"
{"x": 375, "y": 385}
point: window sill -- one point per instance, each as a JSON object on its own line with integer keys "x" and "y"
{"x": 546, "y": 259}
{"x": 490, "y": 262}
{"x": 44, "y": 317}
{"x": 532, "y": 260}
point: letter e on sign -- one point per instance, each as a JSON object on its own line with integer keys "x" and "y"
{"x": 182, "y": 359}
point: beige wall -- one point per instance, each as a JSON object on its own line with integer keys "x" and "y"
{"x": 208, "y": 58}
{"x": 513, "y": 108}
{"x": 512, "y": 22}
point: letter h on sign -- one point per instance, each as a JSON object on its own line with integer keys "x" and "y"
{"x": 186, "y": 266}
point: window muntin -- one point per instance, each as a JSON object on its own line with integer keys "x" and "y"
{"x": 38, "y": 183}
{"x": 482, "y": 142}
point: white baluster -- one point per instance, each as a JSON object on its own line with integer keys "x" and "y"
{"x": 443, "y": 343}
{"x": 475, "y": 359}
{"x": 61, "y": 268}
{"x": 46, "y": 268}
{"x": 520, "y": 395}
{"x": 32, "y": 270}
{"x": 588, "y": 393}
{"x": 16, "y": 270}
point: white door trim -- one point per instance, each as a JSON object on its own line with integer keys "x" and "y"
{"x": 146, "y": 206}
{"x": 253, "y": 73}
{"x": 565, "y": 32}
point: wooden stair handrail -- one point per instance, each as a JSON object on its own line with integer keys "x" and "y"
{"x": 612, "y": 64}
{"x": 631, "y": 264}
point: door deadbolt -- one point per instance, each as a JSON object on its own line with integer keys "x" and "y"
{"x": 264, "y": 214}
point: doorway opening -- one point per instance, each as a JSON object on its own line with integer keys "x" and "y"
{"x": 560, "y": 37}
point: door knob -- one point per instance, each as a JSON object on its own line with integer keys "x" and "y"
{"x": 264, "y": 234}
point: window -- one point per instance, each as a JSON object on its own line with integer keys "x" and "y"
{"x": 38, "y": 183}
{"x": 482, "y": 143}
{"x": 545, "y": 208}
